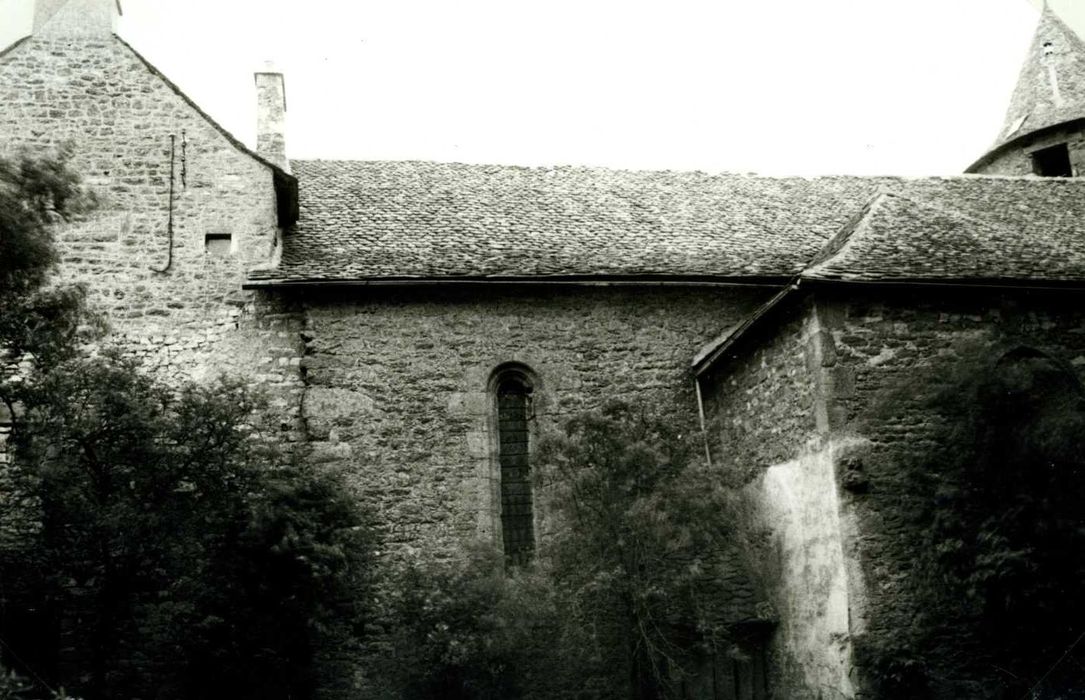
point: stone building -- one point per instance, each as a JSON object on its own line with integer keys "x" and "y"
{"x": 420, "y": 322}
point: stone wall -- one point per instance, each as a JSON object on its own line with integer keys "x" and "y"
{"x": 399, "y": 390}
{"x": 397, "y": 384}
{"x": 760, "y": 401}
{"x": 893, "y": 344}
{"x": 767, "y": 409}
{"x": 1016, "y": 160}
{"x": 133, "y": 133}
{"x": 165, "y": 177}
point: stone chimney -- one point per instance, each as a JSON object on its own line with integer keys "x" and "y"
{"x": 76, "y": 18}
{"x": 271, "y": 116}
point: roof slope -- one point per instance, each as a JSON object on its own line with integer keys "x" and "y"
{"x": 1031, "y": 233}
{"x": 1051, "y": 87}
{"x": 363, "y": 221}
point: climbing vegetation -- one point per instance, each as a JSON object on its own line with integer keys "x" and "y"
{"x": 995, "y": 498}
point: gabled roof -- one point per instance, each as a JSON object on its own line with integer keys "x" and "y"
{"x": 413, "y": 220}
{"x": 385, "y": 221}
{"x": 1051, "y": 87}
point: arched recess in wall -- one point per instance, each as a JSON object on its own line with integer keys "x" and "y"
{"x": 1031, "y": 394}
{"x": 1041, "y": 364}
{"x": 514, "y": 389}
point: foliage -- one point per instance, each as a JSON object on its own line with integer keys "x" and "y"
{"x": 466, "y": 628}
{"x": 14, "y": 686}
{"x": 1000, "y": 555}
{"x": 179, "y": 555}
{"x": 626, "y": 579}
{"x": 194, "y": 555}
{"x": 639, "y": 540}
{"x": 35, "y": 194}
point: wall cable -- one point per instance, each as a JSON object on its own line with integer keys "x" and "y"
{"x": 169, "y": 220}
{"x": 184, "y": 160}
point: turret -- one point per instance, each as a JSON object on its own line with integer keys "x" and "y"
{"x": 1044, "y": 129}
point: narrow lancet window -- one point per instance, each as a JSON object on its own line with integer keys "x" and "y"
{"x": 514, "y": 410}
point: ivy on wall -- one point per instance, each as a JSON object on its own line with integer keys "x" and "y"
{"x": 994, "y": 501}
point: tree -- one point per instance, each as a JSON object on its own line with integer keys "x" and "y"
{"x": 629, "y": 577}
{"x": 35, "y": 318}
{"x": 182, "y": 553}
{"x": 639, "y": 542}
{"x": 39, "y": 324}
{"x": 165, "y": 543}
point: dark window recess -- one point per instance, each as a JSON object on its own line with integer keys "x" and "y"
{"x": 517, "y": 521}
{"x": 1053, "y": 161}
{"x": 218, "y": 245}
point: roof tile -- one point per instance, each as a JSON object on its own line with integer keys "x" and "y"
{"x": 417, "y": 220}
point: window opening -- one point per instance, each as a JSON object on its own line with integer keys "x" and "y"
{"x": 1053, "y": 161}
{"x": 514, "y": 409}
{"x": 218, "y": 245}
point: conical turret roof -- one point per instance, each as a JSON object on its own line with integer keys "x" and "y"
{"x": 1051, "y": 87}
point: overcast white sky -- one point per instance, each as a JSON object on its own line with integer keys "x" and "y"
{"x": 780, "y": 87}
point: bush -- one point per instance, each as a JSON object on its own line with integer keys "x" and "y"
{"x": 466, "y": 628}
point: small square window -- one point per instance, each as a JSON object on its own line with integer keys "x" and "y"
{"x": 218, "y": 245}
{"x": 1053, "y": 161}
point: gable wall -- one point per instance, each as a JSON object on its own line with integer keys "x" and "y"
{"x": 193, "y": 320}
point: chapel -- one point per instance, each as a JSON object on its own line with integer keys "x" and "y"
{"x": 421, "y": 324}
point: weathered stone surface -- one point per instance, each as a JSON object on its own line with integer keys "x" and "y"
{"x": 131, "y": 132}
{"x": 894, "y": 343}
{"x": 1015, "y": 159}
{"x": 403, "y": 378}
{"x": 760, "y": 403}
{"x": 769, "y": 421}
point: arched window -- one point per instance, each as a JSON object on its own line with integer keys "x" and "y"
{"x": 513, "y": 388}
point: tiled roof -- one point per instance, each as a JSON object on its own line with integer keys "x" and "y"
{"x": 1051, "y": 87}
{"x": 967, "y": 230}
{"x": 363, "y": 221}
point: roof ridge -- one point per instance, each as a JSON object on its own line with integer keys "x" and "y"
{"x": 842, "y": 237}
{"x": 895, "y": 180}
